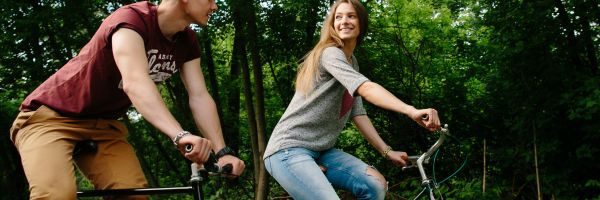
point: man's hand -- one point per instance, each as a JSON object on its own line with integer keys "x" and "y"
{"x": 237, "y": 164}
{"x": 201, "y": 148}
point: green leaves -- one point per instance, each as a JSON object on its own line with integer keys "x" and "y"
{"x": 502, "y": 71}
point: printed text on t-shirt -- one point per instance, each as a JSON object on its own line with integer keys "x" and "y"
{"x": 161, "y": 66}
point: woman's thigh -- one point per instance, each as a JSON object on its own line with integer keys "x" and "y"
{"x": 349, "y": 173}
{"x": 297, "y": 172}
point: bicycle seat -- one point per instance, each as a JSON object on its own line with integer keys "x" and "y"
{"x": 85, "y": 146}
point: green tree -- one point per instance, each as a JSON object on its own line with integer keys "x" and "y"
{"x": 517, "y": 82}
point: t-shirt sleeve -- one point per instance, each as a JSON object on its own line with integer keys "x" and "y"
{"x": 334, "y": 62}
{"x": 357, "y": 108}
{"x": 191, "y": 47}
{"x": 124, "y": 18}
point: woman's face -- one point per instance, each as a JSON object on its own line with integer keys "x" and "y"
{"x": 346, "y": 22}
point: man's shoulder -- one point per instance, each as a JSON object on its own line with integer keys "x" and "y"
{"x": 140, "y": 8}
{"x": 143, "y": 7}
{"x": 136, "y": 16}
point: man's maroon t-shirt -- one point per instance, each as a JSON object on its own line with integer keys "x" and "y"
{"x": 90, "y": 84}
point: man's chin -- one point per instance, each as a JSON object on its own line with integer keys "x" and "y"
{"x": 201, "y": 24}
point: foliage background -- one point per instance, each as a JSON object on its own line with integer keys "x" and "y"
{"x": 517, "y": 82}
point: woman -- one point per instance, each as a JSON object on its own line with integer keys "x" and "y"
{"x": 329, "y": 91}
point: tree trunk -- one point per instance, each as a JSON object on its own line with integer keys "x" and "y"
{"x": 537, "y": 169}
{"x": 262, "y": 179}
{"x": 208, "y": 61}
{"x": 484, "y": 166}
{"x": 241, "y": 59}
{"x": 257, "y": 161}
{"x": 231, "y": 128}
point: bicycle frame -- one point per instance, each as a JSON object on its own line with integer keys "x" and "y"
{"x": 198, "y": 176}
{"x": 417, "y": 161}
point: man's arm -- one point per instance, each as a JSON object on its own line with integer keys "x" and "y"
{"x": 130, "y": 57}
{"x": 202, "y": 105}
{"x": 205, "y": 113}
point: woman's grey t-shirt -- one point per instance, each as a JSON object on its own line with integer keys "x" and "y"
{"x": 316, "y": 120}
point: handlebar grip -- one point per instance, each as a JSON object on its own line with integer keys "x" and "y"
{"x": 227, "y": 168}
{"x": 189, "y": 148}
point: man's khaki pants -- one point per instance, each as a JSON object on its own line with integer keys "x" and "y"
{"x": 45, "y": 141}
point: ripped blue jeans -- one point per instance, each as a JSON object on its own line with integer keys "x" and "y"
{"x": 297, "y": 171}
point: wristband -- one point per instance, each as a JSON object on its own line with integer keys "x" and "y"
{"x": 224, "y": 151}
{"x": 386, "y": 151}
{"x": 179, "y": 136}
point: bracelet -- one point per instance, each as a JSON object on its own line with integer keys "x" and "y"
{"x": 179, "y": 136}
{"x": 386, "y": 151}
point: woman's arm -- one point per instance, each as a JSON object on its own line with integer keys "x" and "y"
{"x": 380, "y": 97}
{"x": 364, "y": 125}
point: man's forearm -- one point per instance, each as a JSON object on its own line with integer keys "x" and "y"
{"x": 149, "y": 104}
{"x": 206, "y": 117}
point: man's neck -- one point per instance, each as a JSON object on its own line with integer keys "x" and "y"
{"x": 170, "y": 18}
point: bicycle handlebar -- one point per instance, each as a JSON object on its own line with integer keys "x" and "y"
{"x": 417, "y": 161}
{"x": 210, "y": 165}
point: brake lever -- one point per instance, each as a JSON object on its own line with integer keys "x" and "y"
{"x": 411, "y": 162}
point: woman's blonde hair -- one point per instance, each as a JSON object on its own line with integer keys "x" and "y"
{"x": 309, "y": 67}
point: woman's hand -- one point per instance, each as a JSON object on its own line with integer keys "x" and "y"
{"x": 427, "y": 118}
{"x": 200, "y": 148}
{"x": 399, "y": 158}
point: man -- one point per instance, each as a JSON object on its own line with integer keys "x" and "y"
{"x": 136, "y": 46}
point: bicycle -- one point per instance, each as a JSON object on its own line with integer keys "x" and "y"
{"x": 418, "y": 161}
{"x": 199, "y": 174}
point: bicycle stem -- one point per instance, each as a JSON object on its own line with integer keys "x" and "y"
{"x": 424, "y": 158}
